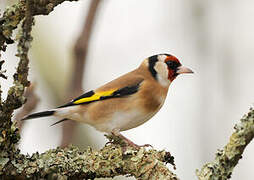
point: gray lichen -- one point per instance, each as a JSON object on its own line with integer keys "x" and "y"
{"x": 15, "y": 14}
{"x": 71, "y": 162}
{"x": 22, "y": 11}
{"x": 225, "y": 161}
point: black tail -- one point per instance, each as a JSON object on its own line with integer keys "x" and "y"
{"x": 38, "y": 115}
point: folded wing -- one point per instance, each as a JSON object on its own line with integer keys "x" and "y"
{"x": 92, "y": 96}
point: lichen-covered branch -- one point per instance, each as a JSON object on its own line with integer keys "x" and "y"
{"x": 225, "y": 161}
{"x": 16, "y": 13}
{"x": 22, "y": 11}
{"x": 15, "y": 98}
{"x": 2, "y": 75}
{"x": 72, "y": 163}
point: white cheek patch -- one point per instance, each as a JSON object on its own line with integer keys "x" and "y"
{"x": 162, "y": 73}
{"x": 162, "y": 58}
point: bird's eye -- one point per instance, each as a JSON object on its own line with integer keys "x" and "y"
{"x": 172, "y": 64}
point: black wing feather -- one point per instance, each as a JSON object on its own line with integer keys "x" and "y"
{"x": 87, "y": 94}
{"x": 122, "y": 92}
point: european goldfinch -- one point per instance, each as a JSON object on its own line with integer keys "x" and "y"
{"x": 126, "y": 102}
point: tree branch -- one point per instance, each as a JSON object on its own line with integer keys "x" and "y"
{"x": 81, "y": 47}
{"x": 15, "y": 98}
{"x": 14, "y": 15}
{"x": 8, "y": 22}
{"x": 226, "y": 159}
{"x": 72, "y": 163}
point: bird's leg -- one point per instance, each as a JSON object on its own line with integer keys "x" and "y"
{"x": 116, "y": 132}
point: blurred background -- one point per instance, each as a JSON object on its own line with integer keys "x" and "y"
{"x": 214, "y": 38}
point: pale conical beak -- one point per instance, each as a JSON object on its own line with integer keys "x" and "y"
{"x": 182, "y": 70}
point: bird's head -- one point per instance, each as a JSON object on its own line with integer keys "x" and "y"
{"x": 165, "y": 68}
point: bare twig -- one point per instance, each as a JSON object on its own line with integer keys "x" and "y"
{"x": 80, "y": 53}
{"x": 81, "y": 47}
{"x": 226, "y": 159}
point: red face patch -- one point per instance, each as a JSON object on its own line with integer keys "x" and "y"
{"x": 171, "y": 75}
{"x": 172, "y": 63}
{"x": 172, "y": 58}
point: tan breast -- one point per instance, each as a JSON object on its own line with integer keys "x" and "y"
{"x": 131, "y": 111}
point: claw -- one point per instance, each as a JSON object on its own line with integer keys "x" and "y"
{"x": 127, "y": 141}
{"x": 146, "y": 145}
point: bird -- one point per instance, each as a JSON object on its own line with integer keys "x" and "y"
{"x": 125, "y": 102}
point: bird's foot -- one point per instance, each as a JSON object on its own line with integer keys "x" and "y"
{"x": 132, "y": 144}
{"x": 117, "y": 138}
{"x": 146, "y": 145}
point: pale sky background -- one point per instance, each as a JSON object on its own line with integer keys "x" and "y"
{"x": 214, "y": 38}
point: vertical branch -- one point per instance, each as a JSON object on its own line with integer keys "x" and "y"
{"x": 15, "y": 98}
{"x": 20, "y": 77}
{"x": 80, "y": 53}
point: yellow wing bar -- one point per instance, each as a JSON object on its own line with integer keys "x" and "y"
{"x": 94, "y": 97}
